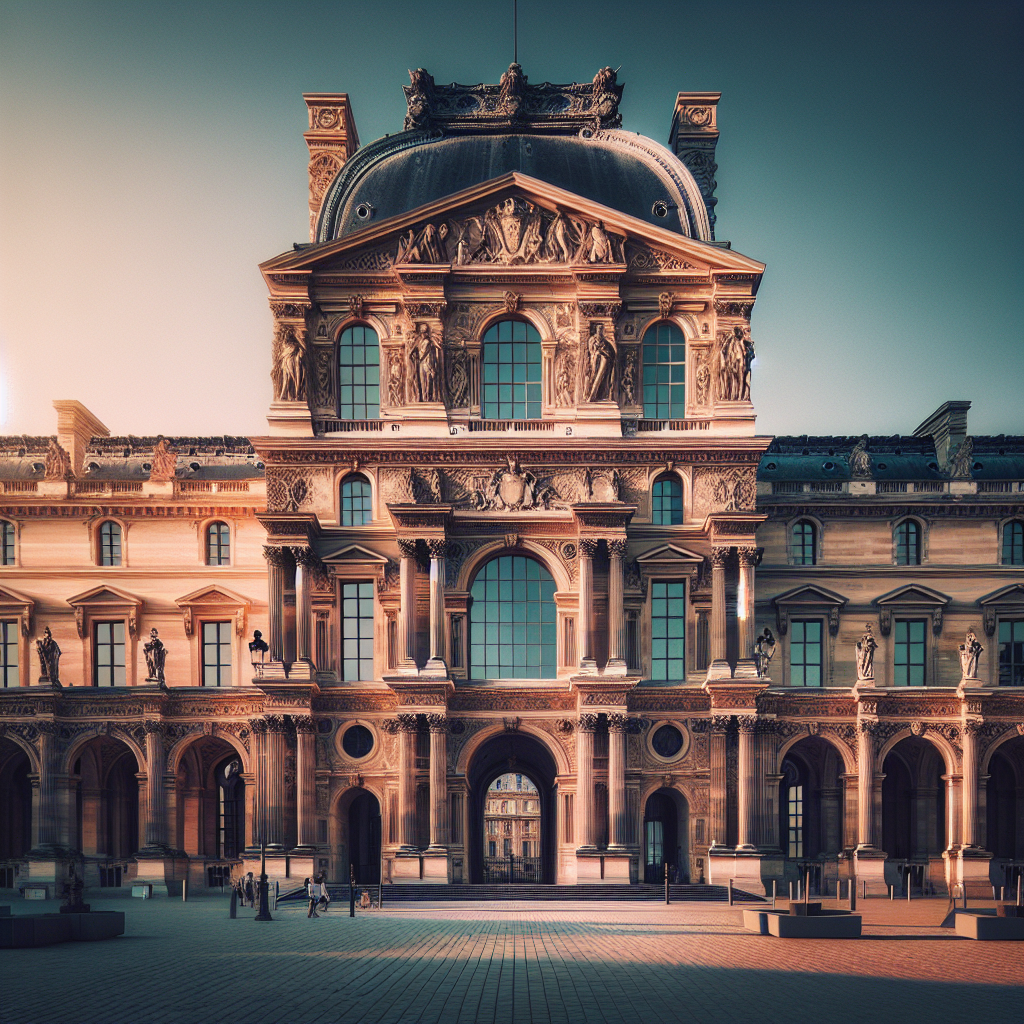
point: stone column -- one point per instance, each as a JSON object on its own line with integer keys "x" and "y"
{"x": 407, "y": 606}
{"x": 865, "y": 784}
{"x": 276, "y": 744}
{"x": 745, "y": 608}
{"x": 277, "y": 563}
{"x": 155, "y": 828}
{"x": 719, "y": 635}
{"x": 305, "y": 565}
{"x": 258, "y": 727}
{"x": 305, "y": 770}
{"x": 585, "y": 781}
{"x": 718, "y": 806}
{"x": 588, "y": 548}
{"x": 747, "y": 782}
{"x": 438, "y": 782}
{"x": 616, "y": 609}
{"x": 407, "y": 727}
{"x": 970, "y": 784}
{"x": 617, "y": 724}
{"x": 47, "y": 823}
{"x": 437, "y": 549}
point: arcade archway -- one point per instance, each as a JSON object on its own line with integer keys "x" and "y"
{"x": 666, "y": 836}
{"x": 15, "y": 810}
{"x": 356, "y": 837}
{"x": 519, "y": 756}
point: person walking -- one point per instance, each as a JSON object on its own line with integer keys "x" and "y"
{"x": 313, "y": 896}
{"x": 249, "y": 890}
{"x": 324, "y": 901}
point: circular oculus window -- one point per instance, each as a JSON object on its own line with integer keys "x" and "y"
{"x": 667, "y": 741}
{"x": 357, "y": 741}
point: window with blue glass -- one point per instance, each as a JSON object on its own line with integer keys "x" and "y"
{"x": 356, "y": 509}
{"x": 357, "y": 631}
{"x": 358, "y": 373}
{"x": 908, "y": 543}
{"x": 110, "y": 544}
{"x": 511, "y": 388}
{"x": 667, "y": 502}
{"x": 668, "y": 624}
{"x": 108, "y": 654}
{"x": 6, "y": 542}
{"x": 9, "y": 652}
{"x": 1011, "y": 652}
{"x": 216, "y": 654}
{"x": 802, "y": 546}
{"x": 664, "y": 360}
{"x": 805, "y": 652}
{"x": 512, "y": 621}
{"x": 218, "y": 544}
{"x": 909, "y": 652}
{"x": 1013, "y": 543}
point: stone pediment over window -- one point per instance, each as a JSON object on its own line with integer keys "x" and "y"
{"x": 15, "y": 605}
{"x": 354, "y": 561}
{"x": 213, "y": 603}
{"x": 669, "y": 558}
{"x": 511, "y": 221}
{"x": 1006, "y": 600}
{"x": 809, "y": 600}
{"x": 909, "y": 600}
{"x": 106, "y": 602}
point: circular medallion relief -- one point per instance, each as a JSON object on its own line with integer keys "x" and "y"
{"x": 357, "y": 741}
{"x": 668, "y": 741}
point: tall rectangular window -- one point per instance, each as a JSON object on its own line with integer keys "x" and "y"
{"x": 6, "y": 543}
{"x": 909, "y": 656}
{"x": 805, "y": 661}
{"x": 216, "y": 654}
{"x": 108, "y": 653}
{"x": 668, "y": 621}
{"x": 795, "y": 810}
{"x": 9, "y": 652}
{"x": 511, "y": 363}
{"x": 1011, "y": 652}
{"x": 357, "y": 631}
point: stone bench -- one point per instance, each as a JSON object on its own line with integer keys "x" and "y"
{"x": 825, "y": 924}
{"x": 24, "y": 930}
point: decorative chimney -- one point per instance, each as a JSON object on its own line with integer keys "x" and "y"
{"x": 332, "y": 139}
{"x": 76, "y": 427}
{"x": 693, "y": 138}
{"x": 947, "y": 427}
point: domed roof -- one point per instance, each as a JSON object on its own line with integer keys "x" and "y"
{"x": 460, "y": 136}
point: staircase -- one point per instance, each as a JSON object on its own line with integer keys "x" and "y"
{"x": 429, "y": 893}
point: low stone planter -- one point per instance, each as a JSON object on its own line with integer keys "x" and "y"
{"x": 25, "y": 930}
{"x": 989, "y": 927}
{"x": 825, "y": 924}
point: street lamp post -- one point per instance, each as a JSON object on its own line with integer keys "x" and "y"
{"x": 264, "y": 912}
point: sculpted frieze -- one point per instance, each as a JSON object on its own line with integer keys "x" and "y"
{"x": 646, "y": 258}
{"x": 307, "y": 490}
{"x": 724, "y": 490}
{"x": 496, "y": 700}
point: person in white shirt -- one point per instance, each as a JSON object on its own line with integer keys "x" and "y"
{"x": 313, "y": 895}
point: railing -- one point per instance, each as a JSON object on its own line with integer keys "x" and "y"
{"x": 212, "y": 486}
{"x": 787, "y": 487}
{"x": 891, "y": 487}
{"x": 512, "y": 870}
{"x": 999, "y": 486}
{"x": 653, "y": 426}
{"x": 336, "y": 426}
{"x": 828, "y": 487}
{"x": 930, "y": 487}
{"x": 107, "y": 486}
{"x": 514, "y": 426}
{"x": 19, "y": 486}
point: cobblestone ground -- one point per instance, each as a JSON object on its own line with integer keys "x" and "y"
{"x": 507, "y": 962}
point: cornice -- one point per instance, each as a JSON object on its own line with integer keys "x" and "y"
{"x": 148, "y": 508}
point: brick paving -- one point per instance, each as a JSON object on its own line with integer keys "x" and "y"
{"x": 502, "y": 963}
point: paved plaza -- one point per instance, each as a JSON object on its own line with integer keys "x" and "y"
{"x": 507, "y": 962}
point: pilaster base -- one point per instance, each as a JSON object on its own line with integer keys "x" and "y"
{"x": 162, "y": 868}
{"x": 49, "y": 869}
{"x": 290, "y": 419}
{"x": 869, "y": 867}
{"x": 430, "y": 866}
{"x": 281, "y": 867}
{"x": 969, "y": 866}
{"x": 719, "y": 669}
{"x": 750, "y": 869}
{"x": 970, "y": 683}
{"x": 609, "y": 866}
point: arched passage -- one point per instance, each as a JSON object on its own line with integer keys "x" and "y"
{"x": 356, "y": 837}
{"x": 15, "y": 810}
{"x": 515, "y": 753}
{"x": 666, "y": 836}
{"x": 1004, "y": 813}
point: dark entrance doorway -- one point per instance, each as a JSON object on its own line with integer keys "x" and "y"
{"x": 364, "y": 838}
{"x": 512, "y": 756}
{"x": 666, "y": 826}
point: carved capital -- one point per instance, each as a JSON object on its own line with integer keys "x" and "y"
{"x": 437, "y": 723}
{"x": 971, "y": 727}
{"x": 306, "y": 557}
{"x": 407, "y": 723}
{"x": 156, "y": 728}
{"x": 617, "y": 547}
{"x": 438, "y": 547}
{"x": 747, "y": 556}
{"x": 407, "y": 547}
{"x": 747, "y": 723}
{"x": 304, "y": 724}
{"x": 588, "y": 547}
{"x": 720, "y": 723}
{"x": 276, "y": 723}
{"x": 258, "y": 725}
{"x": 719, "y": 557}
{"x": 390, "y": 726}
{"x": 868, "y": 728}
{"x": 617, "y": 722}
{"x": 587, "y": 722}
{"x": 276, "y": 556}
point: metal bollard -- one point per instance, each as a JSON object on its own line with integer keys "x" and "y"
{"x": 891, "y": 889}
{"x": 853, "y": 894}
{"x": 233, "y": 911}
{"x": 667, "y": 900}
{"x": 184, "y": 890}
{"x": 730, "y": 892}
{"x": 1020, "y": 902}
{"x": 775, "y": 886}
{"x": 864, "y": 889}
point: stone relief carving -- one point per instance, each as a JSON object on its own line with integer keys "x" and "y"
{"x": 641, "y": 257}
{"x": 290, "y": 360}
{"x": 322, "y": 360}
{"x": 736, "y": 353}
{"x": 600, "y": 365}
{"x": 396, "y": 379}
{"x": 512, "y": 233}
{"x": 702, "y": 382}
{"x": 860, "y": 461}
{"x": 600, "y": 486}
{"x": 723, "y": 490}
{"x": 512, "y": 488}
{"x": 962, "y": 463}
{"x": 56, "y": 463}
{"x": 970, "y": 651}
{"x": 298, "y": 490}
{"x": 566, "y": 353}
{"x": 457, "y": 360}
{"x": 163, "y": 462}
{"x": 628, "y": 373}
{"x": 424, "y": 357}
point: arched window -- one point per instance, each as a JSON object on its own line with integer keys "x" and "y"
{"x": 664, "y": 372}
{"x": 110, "y": 543}
{"x": 6, "y": 542}
{"x": 908, "y": 543}
{"x": 358, "y": 373}
{"x": 510, "y": 389}
{"x": 802, "y": 544}
{"x": 218, "y": 544}
{"x": 512, "y": 621}
{"x": 667, "y": 502}
{"x": 356, "y": 509}
{"x": 1013, "y": 543}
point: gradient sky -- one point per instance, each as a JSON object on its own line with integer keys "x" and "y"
{"x": 152, "y": 155}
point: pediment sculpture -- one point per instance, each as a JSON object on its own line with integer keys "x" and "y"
{"x": 512, "y": 489}
{"x": 513, "y": 232}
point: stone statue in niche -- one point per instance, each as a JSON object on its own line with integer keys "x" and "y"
{"x": 57, "y": 463}
{"x": 601, "y": 486}
{"x": 164, "y": 462}
{"x": 764, "y": 649}
{"x": 290, "y": 372}
{"x": 396, "y": 379}
{"x": 733, "y": 372}
{"x": 156, "y": 656}
{"x": 860, "y": 461}
{"x": 458, "y": 376}
{"x": 962, "y": 463}
{"x": 425, "y": 366}
{"x": 601, "y": 358}
{"x": 970, "y": 651}
{"x": 866, "y": 646}
{"x": 511, "y": 489}
{"x": 629, "y": 374}
{"x": 49, "y": 658}
{"x": 702, "y": 384}
{"x": 565, "y": 374}
{"x": 598, "y": 246}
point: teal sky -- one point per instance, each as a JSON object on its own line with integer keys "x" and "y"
{"x": 152, "y": 155}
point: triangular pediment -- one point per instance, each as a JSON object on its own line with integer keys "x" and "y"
{"x": 12, "y": 599}
{"x": 811, "y": 595}
{"x": 212, "y": 595}
{"x": 913, "y": 594}
{"x": 104, "y": 595}
{"x": 354, "y": 553}
{"x": 1012, "y": 595}
{"x": 668, "y": 555}
{"x": 468, "y": 216}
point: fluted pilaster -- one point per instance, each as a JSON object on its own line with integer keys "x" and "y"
{"x": 969, "y": 825}
{"x": 617, "y": 724}
{"x": 588, "y": 548}
{"x": 305, "y": 768}
{"x": 154, "y": 826}
{"x": 865, "y": 784}
{"x": 616, "y": 608}
{"x": 438, "y": 550}
{"x": 305, "y": 565}
{"x": 585, "y": 823}
{"x": 407, "y": 606}
{"x": 719, "y": 646}
{"x": 407, "y": 727}
{"x": 276, "y": 744}
{"x": 745, "y": 601}
{"x": 438, "y": 781}
{"x": 48, "y": 825}
{"x": 747, "y": 770}
{"x": 277, "y": 564}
